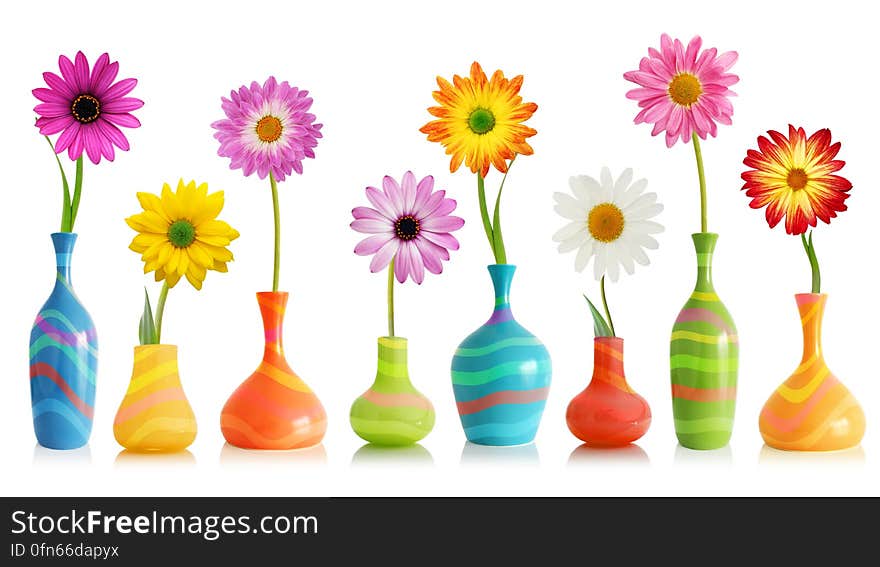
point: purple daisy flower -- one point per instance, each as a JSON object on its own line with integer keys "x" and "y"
{"x": 267, "y": 129}
{"x": 87, "y": 107}
{"x": 409, "y": 224}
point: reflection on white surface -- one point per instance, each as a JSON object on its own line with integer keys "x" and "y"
{"x": 771, "y": 456}
{"x": 231, "y": 455}
{"x": 372, "y": 455}
{"x": 54, "y": 457}
{"x": 473, "y": 454}
{"x": 627, "y": 455}
{"x": 180, "y": 458}
{"x": 685, "y": 456}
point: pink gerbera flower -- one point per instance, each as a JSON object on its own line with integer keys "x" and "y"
{"x": 87, "y": 108}
{"x": 410, "y": 224}
{"x": 268, "y": 129}
{"x": 683, "y": 91}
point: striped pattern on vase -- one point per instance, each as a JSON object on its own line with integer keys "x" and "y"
{"x": 812, "y": 410}
{"x": 63, "y": 361}
{"x": 392, "y": 411}
{"x": 704, "y": 354}
{"x": 273, "y": 408}
{"x": 501, "y": 375}
{"x": 608, "y": 413}
{"x": 155, "y": 414}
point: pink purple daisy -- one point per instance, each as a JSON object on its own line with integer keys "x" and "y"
{"x": 267, "y": 129}
{"x": 410, "y": 223}
{"x": 87, "y": 108}
{"x": 683, "y": 90}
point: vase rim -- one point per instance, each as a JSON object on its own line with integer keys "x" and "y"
{"x": 394, "y": 339}
{"x": 61, "y": 233}
{"x": 817, "y": 295}
{"x": 501, "y": 265}
{"x": 273, "y": 293}
{"x": 156, "y": 346}
{"x": 613, "y": 339}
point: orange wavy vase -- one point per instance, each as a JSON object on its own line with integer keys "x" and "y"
{"x": 273, "y": 408}
{"x": 812, "y": 410}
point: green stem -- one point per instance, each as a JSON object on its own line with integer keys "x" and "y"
{"x": 498, "y": 238}
{"x": 391, "y": 298}
{"x": 605, "y": 304}
{"x": 814, "y": 261}
{"x": 160, "y": 311}
{"x": 702, "y": 175}
{"x": 77, "y": 189}
{"x": 277, "y": 231}
{"x": 65, "y": 207}
{"x": 484, "y": 212}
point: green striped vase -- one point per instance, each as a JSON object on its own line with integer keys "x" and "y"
{"x": 703, "y": 356}
{"x": 392, "y": 411}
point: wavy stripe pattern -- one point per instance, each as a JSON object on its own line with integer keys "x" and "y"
{"x": 273, "y": 408}
{"x": 501, "y": 375}
{"x": 812, "y": 410}
{"x": 703, "y": 358}
{"x": 155, "y": 414}
{"x": 608, "y": 413}
{"x": 63, "y": 361}
{"x": 392, "y": 411}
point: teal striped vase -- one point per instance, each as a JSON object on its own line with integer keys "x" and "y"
{"x": 703, "y": 356}
{"x": 501, "y": 374}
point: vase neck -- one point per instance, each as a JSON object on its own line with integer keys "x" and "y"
{"x": 811, "y": 307}
{"x": 607, "y": 357}
{"x": 63, "y": 243}
{"x": 704, "y": 244}
{"x": 392, "y": 360}
{"x": 272, "y": 307}
{"x": 150, "y": 357}
{"x": 502, "y": 275}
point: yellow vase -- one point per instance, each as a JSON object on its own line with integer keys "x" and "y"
{"x": 155, "y": 415}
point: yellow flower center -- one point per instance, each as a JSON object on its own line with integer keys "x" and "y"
{"x": 269, "y": 129}
{"x": 797, "y": 179}
{"x": 605, "y": 222}
{"x": 685, "y": 89}
{"x": 181, "y": 233}
{"x": 481, "y": 121}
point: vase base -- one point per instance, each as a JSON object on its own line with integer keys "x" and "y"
{"x": 704, "y": 441}
{"x": 503, "y": 441}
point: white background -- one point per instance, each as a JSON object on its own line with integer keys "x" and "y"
{"x": 371, "y": 67}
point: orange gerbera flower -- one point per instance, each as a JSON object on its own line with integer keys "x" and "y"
{"x": 479, "y": 121}
{"x": 795, "y": 177}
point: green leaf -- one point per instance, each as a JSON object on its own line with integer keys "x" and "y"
{"x": 497, "y": 237}
{"x": 600, "y": 327}
{"x": 147, "y": 330}
{"x": 66, "y": 225}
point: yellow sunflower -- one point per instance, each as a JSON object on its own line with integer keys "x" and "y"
{"x": 480, "y": 120}
{"x": 179, "y": 234}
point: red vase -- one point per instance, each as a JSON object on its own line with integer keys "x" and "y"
{"x": 608, "y": 413}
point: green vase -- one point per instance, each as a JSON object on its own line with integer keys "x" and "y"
{"x": 703, "y": 356}
{"x": 392, "y": 411}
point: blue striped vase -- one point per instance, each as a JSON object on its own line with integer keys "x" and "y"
{"x": 63, "y": 361}
{"x": 501, "y": 375}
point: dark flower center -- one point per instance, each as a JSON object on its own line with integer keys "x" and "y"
{"x": 181, "y": 233}
{"x": 481, "y": 121}
{"x": 797, "y": 178}
{"x": 269, "y": 129}
{"x": 86, "y": 108}
{"x": 407, "y": 227}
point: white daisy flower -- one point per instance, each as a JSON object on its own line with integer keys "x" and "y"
{"x": 609, "y": 221}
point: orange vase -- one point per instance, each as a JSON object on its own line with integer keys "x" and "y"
{"x": 812, "y": 410}
{"x": 273, "y": 408}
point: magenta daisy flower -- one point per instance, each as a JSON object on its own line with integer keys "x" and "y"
{"x": 410, "y": 224}
{"x": 87, "y": 107}
{"x": 683, "y": 91}
{"x": 267, "y": 129}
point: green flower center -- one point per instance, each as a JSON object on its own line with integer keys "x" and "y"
{"x": 85, "y": 108}
{"x": 407, "y": 227}
{"x": 181, "y": 233}
{"x": 481, "y": 121}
